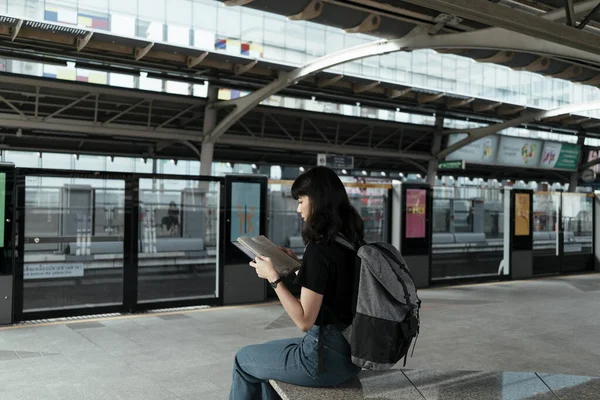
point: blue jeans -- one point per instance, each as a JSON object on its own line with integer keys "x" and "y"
{"x": 293, "y": 361}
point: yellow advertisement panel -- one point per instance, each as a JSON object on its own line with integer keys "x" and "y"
{"x": 522, "y": 214}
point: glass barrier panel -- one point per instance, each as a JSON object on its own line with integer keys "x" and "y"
{"x": 546, "y": 207}
{"x": 179, "y": 249}
{"x": 577, "y": 223}
{"x": 468, "y": 229}
{"x": 73, "y": 243}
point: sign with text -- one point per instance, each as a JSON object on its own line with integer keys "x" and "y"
{"x": 446, "y": 165}
{"x": 482, "y": 151}
{"x": 560, "y": 156}
{"x": 415, "y": 213}
{"x": 519, "y": 152}
{"x": 335, "y": 161}
{"x": 516, "y": 151}
{"x": 54, "y": 270}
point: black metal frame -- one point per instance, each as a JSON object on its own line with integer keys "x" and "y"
{"x": 130, "y": 302}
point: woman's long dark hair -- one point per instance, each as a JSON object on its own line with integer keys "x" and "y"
{"x": 330, "y": 209}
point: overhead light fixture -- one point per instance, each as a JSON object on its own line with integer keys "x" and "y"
{"x": 76, "y": 156}
{"x": 254, "y": 166}
{"x": 301, "y": 169}
{"x": 228, "y": 165}
{"x": 313, "y": 98}
{"x": 358, "y": 104}
{"x": 364, "y": 172}
{"x": 39, "y": 154}
{"x": 383, "y": 173}
{"x": 344, "y": 172}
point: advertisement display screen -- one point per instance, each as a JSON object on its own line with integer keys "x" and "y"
{"x": 415, "y": 213}
{"x": 519, "y": 152}
{"x": 560, "y": 156}
{"x": 522, "y": 214}
{"x": 482, "y": 151}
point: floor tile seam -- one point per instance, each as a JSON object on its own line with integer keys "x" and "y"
{"x": 412, "y": 383}
{"x": 545, "y": 384}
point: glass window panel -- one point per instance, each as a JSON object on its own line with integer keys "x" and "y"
{"x": 295, "y": 36}
{"x": 274, "y": 32}
{"x": 315, "y": 41}
{"x": 91, "y": 163}
{"x": 179, "y": 12}
{"x": 177, "y": 34}
{"x": 252, "y": 27}
{"x": 119, "y": 164}
{"x": 150, "y": 30}
{"x": 121, "y": 80}
{"x": 122, "y": 25}
{"x": 143, "y": 166}
{"x": 151, "y": 84}
{"x": 178, "y": 87}
{"x": 127, "y": 7}
{"x": 23, "y": 159}
{"x": 179, "y": 231}
{"x": 205, "y": 16}
{"x": 229, "y": 22}
{"x": 152, "y": 9}
{"x": 61, "y": 270}
{"x": 93, "y": 5}
{"x": 57, "y": 160}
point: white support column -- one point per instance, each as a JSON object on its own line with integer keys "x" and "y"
{"x": 210, "y": 121}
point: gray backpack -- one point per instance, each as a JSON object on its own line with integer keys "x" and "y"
{"x": 386, "y": 307}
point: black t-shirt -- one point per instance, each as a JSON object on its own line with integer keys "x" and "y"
{"x": 328, "y": 269}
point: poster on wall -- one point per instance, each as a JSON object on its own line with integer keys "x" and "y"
{"x": 522, "y": 203}
{"x": 593, "y": 156}
{"x": 415, "y": 213}
{"x": 245, "y": 215}
{"x": 519, "y": 152}
{"x": 560, "y": 156}
{"x": 481, "y": 151}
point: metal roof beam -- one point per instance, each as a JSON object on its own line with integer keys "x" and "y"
{"x": 140, "y": 52}
{"x": 14, "y": 30}
{"x": 311, "y": 11}
{"x": 83, "y": 41}
{"x": 456, "y": 103}
{"x": 231, "y": 3}
{"x": 12, "y": 106}
{"x": 96, "y": 89}
{"x": 89, "y": 127}
{"x": 369, "y": 24}
{"x": 493, "y": 38}
{"x": 478, "y": 133}
{"x": 315, "y": 147}
{"x": 65, "y": 108}
{"x": 497, "y": 15}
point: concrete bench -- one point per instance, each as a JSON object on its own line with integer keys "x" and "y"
{"x": 392, "y": 384}
{"x": 351, "y": 390}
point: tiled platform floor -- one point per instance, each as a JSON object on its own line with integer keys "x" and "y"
{"x": 548, "y": 326}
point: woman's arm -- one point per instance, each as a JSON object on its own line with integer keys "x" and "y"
{"x": 304, "y": 312}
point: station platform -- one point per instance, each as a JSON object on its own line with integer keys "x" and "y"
{"x": 538, "y": 328}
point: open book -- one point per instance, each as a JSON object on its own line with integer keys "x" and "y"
{"x": 261, "y": 246}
